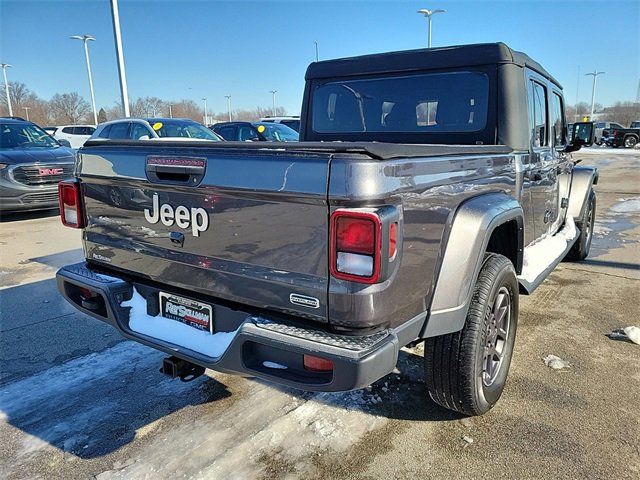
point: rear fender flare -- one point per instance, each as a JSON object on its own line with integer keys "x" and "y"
{"x": 472, "y": 226}
{"x": 582, "y": 179}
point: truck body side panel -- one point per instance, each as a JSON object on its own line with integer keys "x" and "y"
{"x": 428, "y": 191}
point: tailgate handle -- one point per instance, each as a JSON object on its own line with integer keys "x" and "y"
{"x": 180, "y": 170}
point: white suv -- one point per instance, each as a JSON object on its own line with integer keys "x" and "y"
{"x": 76, "y": 135}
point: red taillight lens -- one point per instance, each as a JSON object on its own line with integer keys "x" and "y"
{"x": 317, "y": 364}
{"x": 70, "y": 200}
{"x": 355, "y": 245}
{"x": 355, "y": 235}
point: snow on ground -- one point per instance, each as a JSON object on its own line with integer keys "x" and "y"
{"x": 175, "y": 332}
{"x": 611, "y": 151}
{"x": 556, "y": 363}
{"x": 539, "y": 255}
{"x": 97, "y": 404}
{"x": 627, "y": 205}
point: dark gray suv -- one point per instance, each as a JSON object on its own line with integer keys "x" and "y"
{"x": 31, "y": 165}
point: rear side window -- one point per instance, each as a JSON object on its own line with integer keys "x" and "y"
{"x": 228, "y": 133}
{"x": 433, "y": 102}
{"x": 538, "y": 114}
{"x": 557, "y": 120}
{"x": 69, "y": 130}
{"x": 119, "y": 131}
{"x": 104, "y": 133}
{"x": 246, "y": 133}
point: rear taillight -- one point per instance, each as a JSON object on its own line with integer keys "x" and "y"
{"x": 70, "y": 198}
{"x": 355, "y": 246}
{"x": 317, "y": 364}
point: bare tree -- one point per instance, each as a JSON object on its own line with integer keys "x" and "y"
{"x": 622, "y": 112}
{"x": 68, "y": 107}
{"x": 149, "y": 107}
{"x": 187, "y": 109}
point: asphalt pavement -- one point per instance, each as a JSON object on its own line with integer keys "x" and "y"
{"x": 76, "y": 401}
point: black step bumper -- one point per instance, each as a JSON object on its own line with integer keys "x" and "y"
{"x": 358, "y": 361}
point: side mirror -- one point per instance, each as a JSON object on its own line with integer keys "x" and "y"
{"x": 582, "y": 136}
{"x": 144, "y": 137}
{"x": 64, "y": 143}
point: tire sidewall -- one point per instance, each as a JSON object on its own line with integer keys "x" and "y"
{"x": 487, "y": 396}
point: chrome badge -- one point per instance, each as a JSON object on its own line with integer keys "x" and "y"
{"x": 304, "y": 301}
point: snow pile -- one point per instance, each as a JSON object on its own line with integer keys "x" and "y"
{"x": 539, "y": 255}
{"x": 173, "y": 331}
{"x": 631, "y": 333}
{"x": 627, "y": 205}
{"x": 555, "y": 362}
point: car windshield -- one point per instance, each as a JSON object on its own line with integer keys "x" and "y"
{"x": 276, "y": 132}
{"x": 177, "y": 128}
{"x": 25, "y": 135}
{"x": 433, "y": 102}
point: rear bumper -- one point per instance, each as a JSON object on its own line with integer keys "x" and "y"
{"x": 358, "y": 361}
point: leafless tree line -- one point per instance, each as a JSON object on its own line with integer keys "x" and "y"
{"x": 71, "y": 108}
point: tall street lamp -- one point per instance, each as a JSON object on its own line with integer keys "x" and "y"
{"x": 26, "y": 112}
{"x": 117, "y": 37}
{"x": 206, "y": 116}
{"x": 594, "y": 74}
{"x": 85, "y": 40}
{"x": 317, "y": 57}
{"x": 6, "y": 86}
{"x": 428, "y": 14}
{"x": 273, "y": 94}
{"x": 228, "y": 97}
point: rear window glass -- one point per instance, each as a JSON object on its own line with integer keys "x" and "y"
{"x": 434, "y": 102}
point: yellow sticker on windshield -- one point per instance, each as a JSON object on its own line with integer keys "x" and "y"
{"x": 261, "y": 128}
{"x": 157, "y": 125}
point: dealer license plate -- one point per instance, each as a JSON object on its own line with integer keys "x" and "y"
{"x": 190, "y": 312}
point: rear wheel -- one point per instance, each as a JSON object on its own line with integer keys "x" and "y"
{"x": 466, "y": 371}
{"x": 580, "y": 249}
{"x": 630, "y": 141}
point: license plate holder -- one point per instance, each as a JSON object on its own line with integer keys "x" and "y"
{"x": 193, "y": 313}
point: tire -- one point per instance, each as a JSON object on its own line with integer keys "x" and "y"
{"x": 456, "y": 370}
{"x": 630, "y": 141}
{"x": 580, "y": 249}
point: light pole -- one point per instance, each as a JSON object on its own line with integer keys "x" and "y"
{"x": 273, "y": 109}
{"x": 206, "y": 116}
{"x": 228, "y": 97}
{"x": 428, "y": 14}
{"x": 316, "y": 42}
{"x": 26, "y": 112}
{"x": 170, "y": 112}
{"x": 595, "y": 74}
{"x": 115, "y": 16}
{"x": 6, "y": 86}
{"x": 85, "y": 40}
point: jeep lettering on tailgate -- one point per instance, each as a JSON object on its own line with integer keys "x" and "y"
{"x": 196, "y": 218}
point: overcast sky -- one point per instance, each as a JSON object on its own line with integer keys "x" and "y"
{"x": 192, "y": 49}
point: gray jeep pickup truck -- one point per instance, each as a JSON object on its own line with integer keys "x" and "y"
{"x": 430, "y": 189}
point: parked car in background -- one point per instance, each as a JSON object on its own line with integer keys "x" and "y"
{"x": 292, "y": 122}
{"x": 600, "y": 128}
{"x": 76, "y": 135}
{"x": 634, "y": 125}
{"x": 31, "y": 165}
{"x": 154, "y": 129}
{"x": 257, "y": 132}
{"x": 621, "y": 137}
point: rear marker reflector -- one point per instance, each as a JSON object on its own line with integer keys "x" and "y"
{"x": 317, "y": 364}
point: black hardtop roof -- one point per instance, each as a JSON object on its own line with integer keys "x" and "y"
{"x": 425, "y": 59}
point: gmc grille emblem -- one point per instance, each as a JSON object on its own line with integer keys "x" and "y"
{"x": 50, "y": 171}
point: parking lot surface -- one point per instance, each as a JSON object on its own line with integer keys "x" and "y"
{"x": 77, "y": 401}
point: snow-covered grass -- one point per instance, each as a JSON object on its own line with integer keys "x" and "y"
{"x": 172, "y": 331}
{"x": 539, "y": 255}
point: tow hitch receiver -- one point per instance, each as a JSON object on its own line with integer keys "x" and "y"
{"x": 177, "y": 368}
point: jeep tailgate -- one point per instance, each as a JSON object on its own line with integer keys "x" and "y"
{"x": 247, "y": 226}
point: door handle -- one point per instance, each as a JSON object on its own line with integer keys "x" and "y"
{"x": 536, "y": 176}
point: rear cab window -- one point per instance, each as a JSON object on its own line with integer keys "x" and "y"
{"x": 426, "y": 107}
